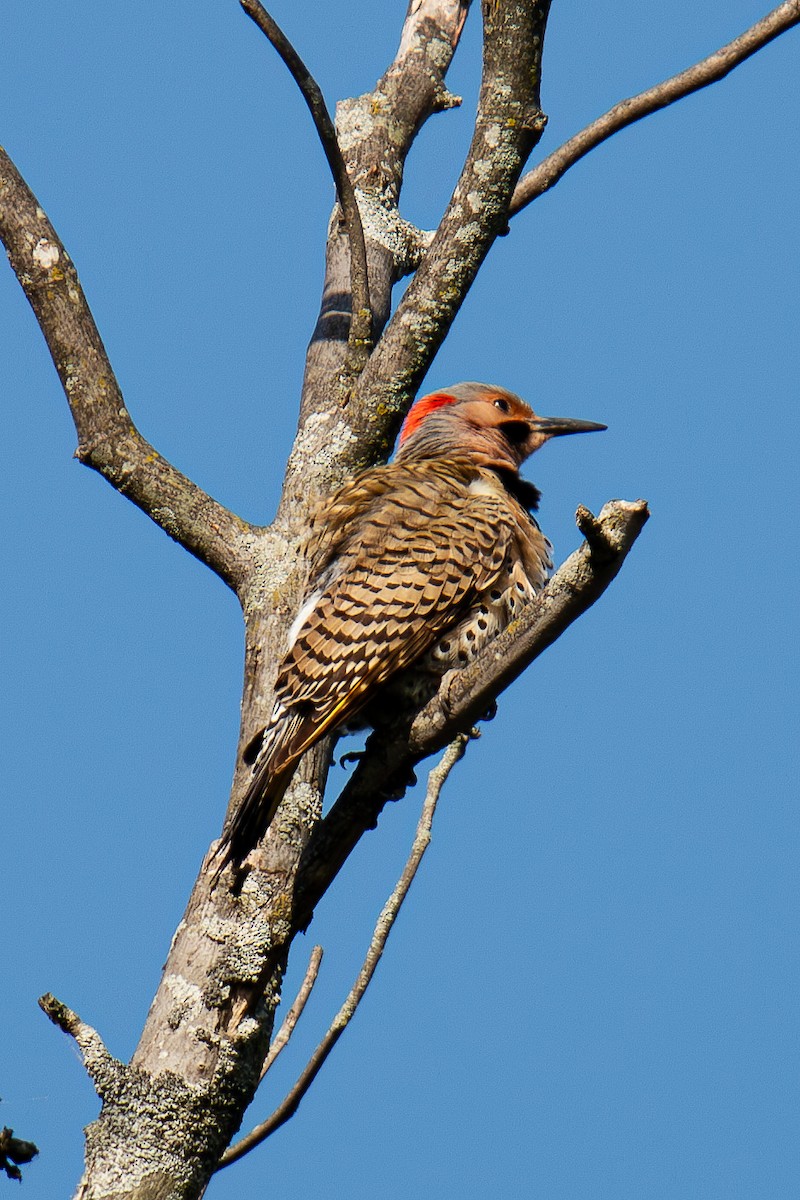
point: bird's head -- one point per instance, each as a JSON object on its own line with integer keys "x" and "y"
{"x": 492, "y": 426}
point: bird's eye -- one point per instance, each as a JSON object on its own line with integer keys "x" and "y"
{"x": 501, "y": 404}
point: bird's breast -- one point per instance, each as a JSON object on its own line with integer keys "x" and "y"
{"x": 492, "y": 612}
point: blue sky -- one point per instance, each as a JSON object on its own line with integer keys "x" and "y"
{"x": 592, "y": 991}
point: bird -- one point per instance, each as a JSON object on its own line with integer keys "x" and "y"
{"x": 413, "y": 567}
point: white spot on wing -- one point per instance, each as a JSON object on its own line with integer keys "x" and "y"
{"x": 482, "y": 487}
{"x": 301, "y": 618}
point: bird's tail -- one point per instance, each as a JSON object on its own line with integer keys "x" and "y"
{"x": 282, "y": 745}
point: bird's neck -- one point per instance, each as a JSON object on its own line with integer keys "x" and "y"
{"x": 468, "y": 462}
{"x": 527, "y": 494}
{"x": 443, "y": 436}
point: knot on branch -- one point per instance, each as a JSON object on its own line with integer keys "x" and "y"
{"x": 596, "y": 535}
{"x": 535, "y": 121}
{"x": 86, "y": 452}
{"x": 442, "y": 100}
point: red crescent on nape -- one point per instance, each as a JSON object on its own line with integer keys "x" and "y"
{"x": 420, "y": 410}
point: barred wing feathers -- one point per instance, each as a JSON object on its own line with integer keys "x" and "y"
{"x": 397, "y": 557}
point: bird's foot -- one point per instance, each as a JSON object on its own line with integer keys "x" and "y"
{"x": 352, "y": 756}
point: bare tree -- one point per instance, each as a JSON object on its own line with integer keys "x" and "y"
{"x": 169, "y": 1117}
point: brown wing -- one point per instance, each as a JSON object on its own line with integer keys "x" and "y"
{"x": 403, "y": 573}
{"x": 403, "y": 551}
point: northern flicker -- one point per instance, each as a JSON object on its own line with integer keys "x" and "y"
{"x": 413, "y": 567}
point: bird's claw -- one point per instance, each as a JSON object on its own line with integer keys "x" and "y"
{"x": 352, "y": 756}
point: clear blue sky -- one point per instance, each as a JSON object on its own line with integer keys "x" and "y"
{"x": 593, "y": 990}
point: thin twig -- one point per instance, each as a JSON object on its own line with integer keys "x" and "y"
{"x": 360, "y": 339}
{"x": 296, "y": 1011}
{"x": 386, "y": 920}
{"x": 708, "y": 70}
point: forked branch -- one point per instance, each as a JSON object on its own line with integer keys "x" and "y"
{"x": 508, "y": 125}
{"x": 709, "y": 70}
{"x": 192, "y": 1040}
{"x": 108, "y": 440}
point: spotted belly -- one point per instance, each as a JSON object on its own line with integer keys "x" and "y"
{"x": 455, "y": 649}
{"x": 495, "y": 610}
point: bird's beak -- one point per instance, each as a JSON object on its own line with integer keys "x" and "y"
{"x": 557, "y": 426}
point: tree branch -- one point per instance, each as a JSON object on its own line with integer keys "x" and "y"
{"x": 360, "y": 336}
{"x": 375, "y": 131}
{"x": 285, "y": 1111}
{"x": 108, "y": 440}
{"x": 103, "y": 1069}
{"x": 198, "y": 1061}
{"x": 208, "y": 1027}
{"x": 281, "y": 1039}
{"x": 508, "y": 125}
{"x": 387, "y": 767}
{"x": 709, "y": 70}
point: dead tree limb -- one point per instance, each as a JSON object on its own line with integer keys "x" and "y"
{"x": 709, "y": 70}
{"x": 281, "y": 1039}
{"x": 508, "y": 125}
{"x": 360, "y": 335}
{"x": 108, "y": 440}
{"x": 389, "y": 913}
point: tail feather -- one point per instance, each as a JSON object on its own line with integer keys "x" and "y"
{"x": 284, "y": 742}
